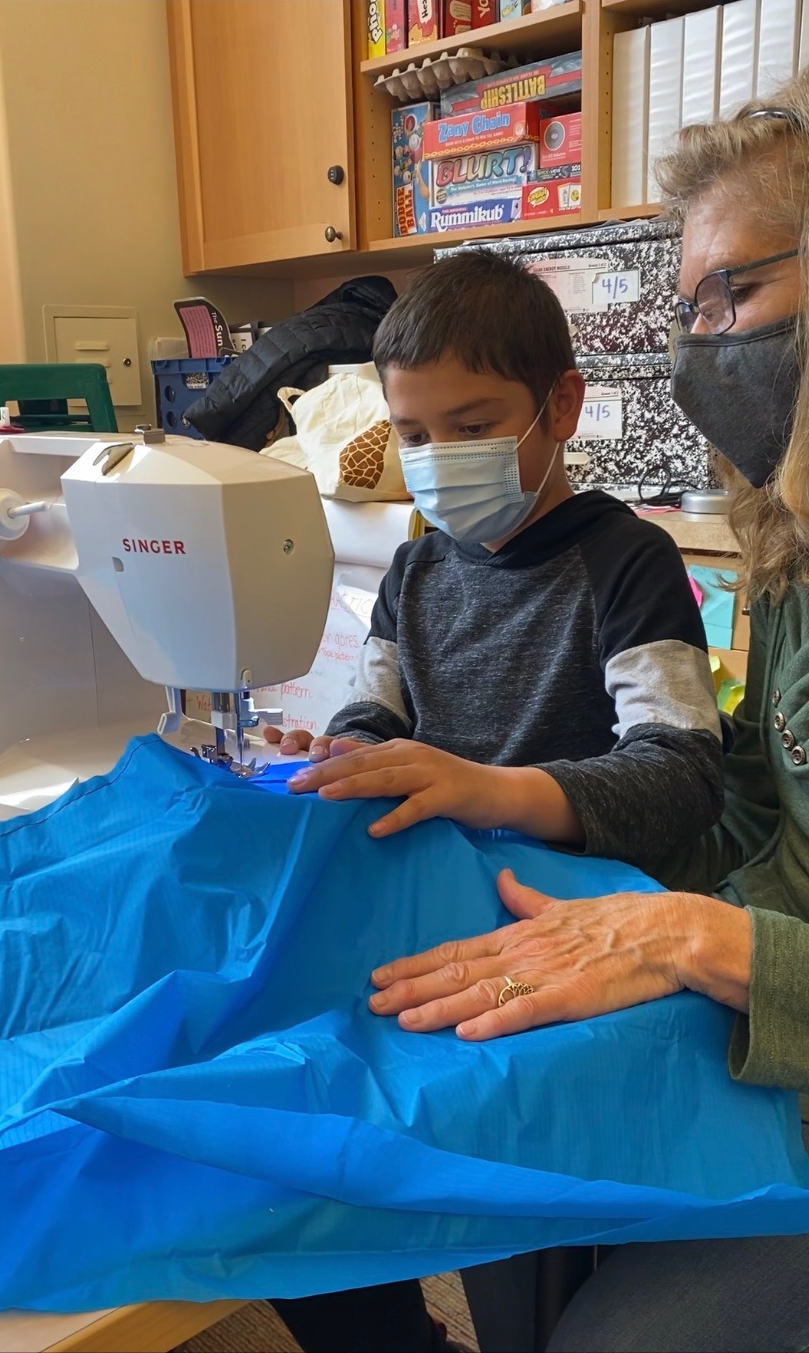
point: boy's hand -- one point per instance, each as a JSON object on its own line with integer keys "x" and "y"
{"x": 319, "y": 749}
{"x": 433, "y": 784}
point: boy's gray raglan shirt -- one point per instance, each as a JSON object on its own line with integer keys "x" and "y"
{"x": 577, "y": 647}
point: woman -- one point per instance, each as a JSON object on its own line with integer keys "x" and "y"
{"x": 735, "y": 927}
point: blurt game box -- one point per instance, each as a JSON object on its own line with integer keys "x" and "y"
{"x": 540, "y": 80}
{"x": 411, "y": 172}
{"x": 494, "y": 173}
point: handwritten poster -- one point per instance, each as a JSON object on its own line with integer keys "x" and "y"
{"x": 311, "y": 700}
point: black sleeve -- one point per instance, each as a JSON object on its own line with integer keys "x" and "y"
{"x": 660, "y": 787}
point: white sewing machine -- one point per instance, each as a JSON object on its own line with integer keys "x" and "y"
{"x": 137, "y": 562}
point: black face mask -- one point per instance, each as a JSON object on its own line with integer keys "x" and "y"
{"x": 740, "y": 391}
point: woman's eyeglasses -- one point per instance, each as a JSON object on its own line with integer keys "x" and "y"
{"x": 714, "y": 301}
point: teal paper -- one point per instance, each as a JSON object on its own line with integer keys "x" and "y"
{"x": 717, "y": 604}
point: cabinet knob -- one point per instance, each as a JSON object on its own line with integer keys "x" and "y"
{"x": 336, "y": 174}
{"x": 332, "y": 234}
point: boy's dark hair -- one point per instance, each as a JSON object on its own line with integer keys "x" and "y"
{"x": 487, "y": 311}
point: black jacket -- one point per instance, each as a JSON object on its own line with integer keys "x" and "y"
{"x": 242, "y": 406}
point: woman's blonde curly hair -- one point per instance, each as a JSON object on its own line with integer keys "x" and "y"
{"x": 760, "y": 165}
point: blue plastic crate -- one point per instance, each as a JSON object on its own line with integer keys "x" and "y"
{"x": 178, "y": 384}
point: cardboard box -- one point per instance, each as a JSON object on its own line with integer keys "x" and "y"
{"x": 552, "y": 198}
{"x": 395, "y": 25}
{"x": 411, "y": 176}
{"x": 501, "y": 173}
{"x": 513, "y": 9}
{"x": 492, "y": 130}
{"x": 422, "y": 21}
{"x": 560, "y": 139}
{"x": 539, "y": 80}
{"x": 455, "y": 17}
{"x": 484, "y": 12}
{"x": 483, "y": 211}
{"x": 375, "y": 27}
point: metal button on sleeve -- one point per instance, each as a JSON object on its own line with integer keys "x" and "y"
{"x": 779, "y": 722}
{"x": 776, "y": 696}
{"x": 799, "y": 756}
{"x": 788, "y": 740}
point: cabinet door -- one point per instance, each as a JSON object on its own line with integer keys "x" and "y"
{"x": 262, "y": 112}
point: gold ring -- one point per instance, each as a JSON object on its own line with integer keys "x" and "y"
{"x": 512, "y": 989}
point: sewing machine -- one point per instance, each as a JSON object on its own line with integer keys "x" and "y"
{"x": 138, "y": 564}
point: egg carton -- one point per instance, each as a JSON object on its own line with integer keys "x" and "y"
{"x": 436, "y": 73}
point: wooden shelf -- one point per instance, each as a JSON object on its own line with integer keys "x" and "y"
{"x": 417, "y": 249}
{"x": 654, "y": 10}
{"x": 547, "y": 32}
{"x": 643, "y": 212}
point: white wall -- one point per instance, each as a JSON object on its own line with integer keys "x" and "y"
{"x": 91, "y": 177}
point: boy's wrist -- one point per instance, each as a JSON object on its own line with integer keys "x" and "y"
{"x": 530, "y": 801}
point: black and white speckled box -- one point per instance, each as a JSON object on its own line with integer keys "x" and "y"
{"x": 618, "y": 284}
{"x": 607, "y": 266}
{"x": 656, "y": 440}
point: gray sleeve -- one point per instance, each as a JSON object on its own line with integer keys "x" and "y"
{"x": 375, "y": 711}
{"x": 752, "y": 810}
{"x": 661, "y": 785}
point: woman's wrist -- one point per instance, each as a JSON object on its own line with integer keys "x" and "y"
{"x": 716, "y": 949}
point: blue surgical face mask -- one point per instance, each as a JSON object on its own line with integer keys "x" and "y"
{"x": 471, "y": 490}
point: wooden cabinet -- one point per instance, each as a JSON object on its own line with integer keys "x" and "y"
{"x": 262, "y": 98}
{"x": 271, "y": 94}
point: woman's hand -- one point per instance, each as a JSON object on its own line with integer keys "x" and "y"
{"x": 583, "y": 958}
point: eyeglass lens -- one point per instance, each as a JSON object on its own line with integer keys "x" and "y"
{"x": 714, "y": 301}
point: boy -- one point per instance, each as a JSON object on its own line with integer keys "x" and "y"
{"x": 538, "y": 662}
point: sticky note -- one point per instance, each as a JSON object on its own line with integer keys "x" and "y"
{"x": 717, "y": 605}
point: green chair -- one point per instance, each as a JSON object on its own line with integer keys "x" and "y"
{"x": 41, "y": 390}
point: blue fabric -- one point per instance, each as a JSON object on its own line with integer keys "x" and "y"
{"x": 195, "y": 1101}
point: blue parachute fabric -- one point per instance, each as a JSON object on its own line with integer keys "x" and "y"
{"x": 195, "y": 1101}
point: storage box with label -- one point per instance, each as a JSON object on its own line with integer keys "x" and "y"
{"x": 411, "y": 173}
{"x": 486, "y": 129}
{"x": 618, "y": 283}
{"x": 539, "y": 80}
{"x": 630, "y": 426}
